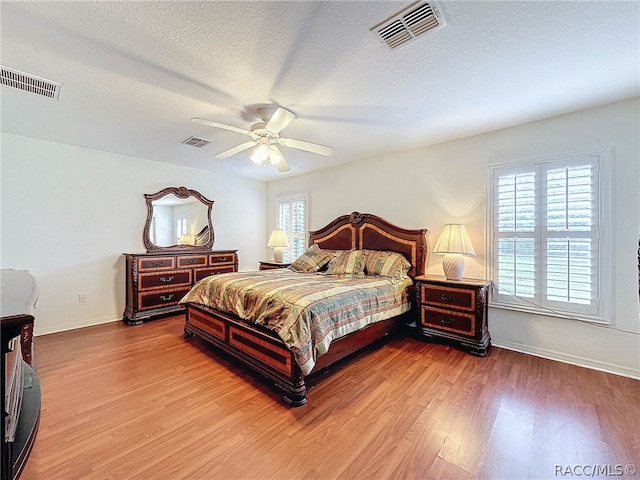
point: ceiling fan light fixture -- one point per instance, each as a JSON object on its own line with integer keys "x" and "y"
{"x": 260, "y": 154}
{"x": 265, "y": 139}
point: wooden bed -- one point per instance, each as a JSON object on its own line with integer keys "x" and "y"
{"x": 264, "y": 352}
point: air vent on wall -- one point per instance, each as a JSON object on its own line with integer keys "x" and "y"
{"x": 29, "y": 83}
{"x": 410, "y": 23}
{"x": 196, "y": 142}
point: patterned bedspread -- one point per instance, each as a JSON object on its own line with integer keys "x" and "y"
{"x": 306, "y": 310}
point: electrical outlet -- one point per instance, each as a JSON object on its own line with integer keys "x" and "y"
{"x": 82, "y": 298}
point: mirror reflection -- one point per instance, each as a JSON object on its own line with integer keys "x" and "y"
{"x": 178, "y": 219}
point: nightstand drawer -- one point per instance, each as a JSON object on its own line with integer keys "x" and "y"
{"x": 269, "y": 265}
{"x": 461, "y": 298}
{"x": 174, "y": 278}
{"x": 452, "y": 321}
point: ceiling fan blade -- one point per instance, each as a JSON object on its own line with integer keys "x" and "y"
{"x": 234, "y": 150}
{"x": 283, "y": 166}
{"x": 308, "y": 146}
{"x": 277, "y": 159}
{"x": 280, "y": 119}
{"x": 209, "y": 123}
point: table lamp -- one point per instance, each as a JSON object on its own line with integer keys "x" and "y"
{"x": 454, "y": 242}
{"x": 278, "y": 241}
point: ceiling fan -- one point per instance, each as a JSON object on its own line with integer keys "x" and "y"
{"x": 265, "y": 136}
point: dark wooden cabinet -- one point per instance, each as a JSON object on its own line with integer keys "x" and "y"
{"x": 454, "y": 311}
{"x": 272, "y": 264}
{"x": 20, "y": 395}
{"x": 156, "y": 282}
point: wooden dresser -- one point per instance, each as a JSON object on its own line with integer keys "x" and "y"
{"x": 157, "y": 281}
{"x": 454, "y": 311}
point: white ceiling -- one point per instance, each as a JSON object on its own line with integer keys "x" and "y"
{"x": 133, "y": 74}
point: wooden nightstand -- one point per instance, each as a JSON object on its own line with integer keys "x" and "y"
{"x": 272, "y": 264}
{"x": 455, "y": 311}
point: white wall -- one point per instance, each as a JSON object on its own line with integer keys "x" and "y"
{"x": 68, "y": 214}
{"x": 446, "y": 183}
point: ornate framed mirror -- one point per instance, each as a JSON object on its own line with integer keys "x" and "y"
{"x": 178, "y": 219}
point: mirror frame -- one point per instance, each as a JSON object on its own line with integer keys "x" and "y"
{"x": 180, "y": 192}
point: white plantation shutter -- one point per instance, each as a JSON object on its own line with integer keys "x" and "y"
{"x": 292, "y": 220}
{"x": 546, "y": 248}
{"x": 182, "y": 227}
{"x": 516, "y": 212}
{"x": 570, "y": 230}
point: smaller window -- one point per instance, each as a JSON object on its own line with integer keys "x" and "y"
{"x": 182, "y": 227}
{"x": 292, "y": 220}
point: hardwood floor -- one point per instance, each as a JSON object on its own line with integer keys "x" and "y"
{"x": 141, "y": 402}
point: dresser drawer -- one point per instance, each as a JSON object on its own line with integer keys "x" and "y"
{"x": 161, "y": 298}
{"x": 156, "y": 263}
{"x": 201, "y": 273}
{"x": 222, "y": 258}
{"x": 192, "y": 261}
{"x": 171, "y": 278}
{"x": 441, "y": 319}
{"x": 461, "y": 298}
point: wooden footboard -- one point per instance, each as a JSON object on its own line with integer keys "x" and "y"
{"x": 265, "y": 353}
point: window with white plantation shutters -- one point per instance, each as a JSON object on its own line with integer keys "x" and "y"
{"x": 292, "y": 220}
{"x": 548, "y": 235}
{"x": 182, "y": 227}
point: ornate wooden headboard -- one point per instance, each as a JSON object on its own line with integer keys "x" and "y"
{"x": 367, "y": 231}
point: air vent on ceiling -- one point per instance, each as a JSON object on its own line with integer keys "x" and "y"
{"x": 29, "y": 83}
{"x": 410, "y": 23}
{"x": 196, "y": 142}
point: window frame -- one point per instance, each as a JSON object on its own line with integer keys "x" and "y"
{"x": 603, "y": 254}
{"x": 291, "y": 198}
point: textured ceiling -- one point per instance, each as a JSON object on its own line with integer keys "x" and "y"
{"x": 133, "y": 74}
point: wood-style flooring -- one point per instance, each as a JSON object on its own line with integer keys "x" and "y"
{"x": 123, "y": 402}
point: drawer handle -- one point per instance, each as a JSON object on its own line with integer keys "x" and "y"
{"x": 191, "y": 261}
{"x": 157, "y": 264}
{"x": 446, "y": 320}
{"x": 166, "y": 279}
{"x": 222, "y": 259}
{"x": 166, "y": 298}
{"x": 447, "y": 298}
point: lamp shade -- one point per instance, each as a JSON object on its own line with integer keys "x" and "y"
{"x": 454, "y": 239}
{"x": 278, "y": 239}
{"x": 454, "y": 242}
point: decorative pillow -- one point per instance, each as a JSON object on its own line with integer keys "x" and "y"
{"x": 312, "y": 260}
{"x": 386, "y": 264}
{"x": 350, "y": 262}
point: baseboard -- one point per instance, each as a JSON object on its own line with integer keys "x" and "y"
{"x": 73, "y": 325}
{"x": 570, "y": 359}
